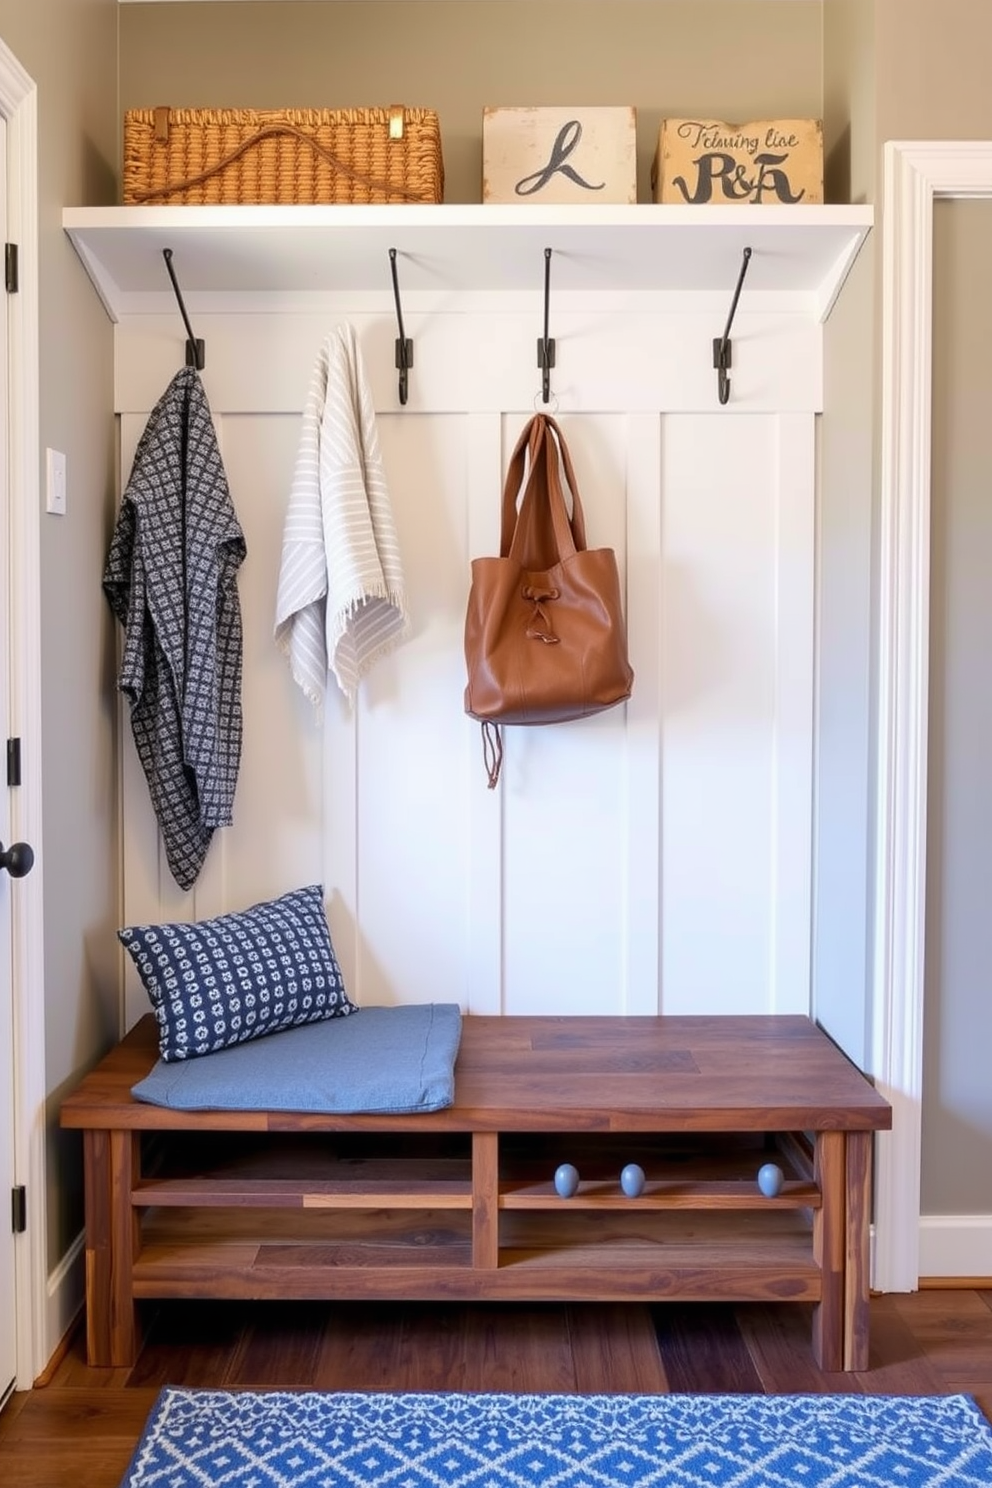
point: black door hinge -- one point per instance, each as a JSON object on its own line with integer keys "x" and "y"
{"x": 13, "y": 762}
{"x": 19, "y": 1209}
{"x": 10, "y": 267}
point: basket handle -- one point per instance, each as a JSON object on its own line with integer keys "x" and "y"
{"x": 267, "y": 132}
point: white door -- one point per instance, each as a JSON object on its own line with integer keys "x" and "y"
{"x": 8, "y": 1333}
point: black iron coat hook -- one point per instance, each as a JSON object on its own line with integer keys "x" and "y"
{"x": 196, "y": 355}
{"x": 545, "y": 344}
{"x": 404, "y": 347}
{"x": 721, "y": 344}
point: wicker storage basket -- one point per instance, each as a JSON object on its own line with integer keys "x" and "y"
{"x": 231, "y": 156}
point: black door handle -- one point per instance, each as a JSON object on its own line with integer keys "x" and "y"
{"x": 18, "y": 859}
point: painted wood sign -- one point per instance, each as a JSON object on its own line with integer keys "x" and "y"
{"x": 769, "y": 161}
{"x": 559, "y": 155}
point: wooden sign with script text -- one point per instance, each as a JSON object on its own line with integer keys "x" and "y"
{"x": 560, "y": 155}
{"x": 768, "y": 162}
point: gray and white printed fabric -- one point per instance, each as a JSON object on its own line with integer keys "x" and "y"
{"x": 341, "y": 602}
{"x": 171, "y": 580}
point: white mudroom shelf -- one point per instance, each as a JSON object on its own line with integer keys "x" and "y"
{"x": 225, "y": 255}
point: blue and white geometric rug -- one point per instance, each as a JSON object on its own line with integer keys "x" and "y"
{"x": 281, "y": 1439}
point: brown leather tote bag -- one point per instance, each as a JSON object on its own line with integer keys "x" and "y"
{"x": 545, "y": 639}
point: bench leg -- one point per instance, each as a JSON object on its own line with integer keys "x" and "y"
{"x": 856, "y": 1270}
{"x": 485, "y": 1200}
{"x": 110, "y": 1168}
{"x": 829, "y": 1248}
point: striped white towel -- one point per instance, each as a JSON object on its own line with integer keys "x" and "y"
{"x": 341, "y": 601}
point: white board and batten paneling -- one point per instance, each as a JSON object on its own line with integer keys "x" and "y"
{"x": 654, "y": 858}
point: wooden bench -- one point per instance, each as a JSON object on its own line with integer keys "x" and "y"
{"x": 460, "y": 1204}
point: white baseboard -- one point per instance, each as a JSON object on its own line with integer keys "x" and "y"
{"x": 66, "y": 1295}
{"x": 955, "y": 1245}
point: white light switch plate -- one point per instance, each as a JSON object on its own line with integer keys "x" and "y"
{"x": 55, "y": 482}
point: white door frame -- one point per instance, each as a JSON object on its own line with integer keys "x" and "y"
{"x": 18, "y": 104}
{"x": 915, "y": 173}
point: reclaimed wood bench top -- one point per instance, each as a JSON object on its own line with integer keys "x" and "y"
{"x": 765, "y": 1072}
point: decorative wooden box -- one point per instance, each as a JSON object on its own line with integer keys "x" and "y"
{"x": 559, "y": 155}
{"x": 776, "y": 161}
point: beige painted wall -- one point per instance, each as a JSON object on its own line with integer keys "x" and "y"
{"x": 69, "y": 49}
{"x": 735, "y": 59}
{"x": 849, "y": 63}
{"x": 932, "y": 78}
{"x": 933, "y": 84}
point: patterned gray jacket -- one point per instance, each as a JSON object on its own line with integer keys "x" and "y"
{"x": 171, "y": 580}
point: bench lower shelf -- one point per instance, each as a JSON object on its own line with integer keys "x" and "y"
{"x": 428, "y": 1254}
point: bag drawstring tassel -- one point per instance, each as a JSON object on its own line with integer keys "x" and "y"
{"x": 492, "y": 751}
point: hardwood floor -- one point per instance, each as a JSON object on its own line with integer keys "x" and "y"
{"x": 79, "y": 1429}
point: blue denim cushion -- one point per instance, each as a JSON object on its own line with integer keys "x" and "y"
{"x": 387, "y": 1059}
{"x": 214, "y": 983}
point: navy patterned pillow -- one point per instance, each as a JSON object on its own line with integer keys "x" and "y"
{"x": 214, "y": 983}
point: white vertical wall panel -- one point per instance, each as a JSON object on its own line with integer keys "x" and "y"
{"x": 275, "y": 841}
{"x": 483, "y": 807}
{"x": 727, "y": 607}
{"x": 565, "y": 817}
{"x": 410, "y": 909}
{"x": 150, "y": 892}
{"x": 653, "y": 858}
{"x": 791, "y": 882}
{"x": 642, "y": 741}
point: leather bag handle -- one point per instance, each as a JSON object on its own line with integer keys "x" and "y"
{"x": 542, "y": 444}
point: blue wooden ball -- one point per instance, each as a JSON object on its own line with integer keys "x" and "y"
{"x": 566, "y": 1179}
{"x": 632, "y": 1180}
{"x": 770, "y": 1179}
